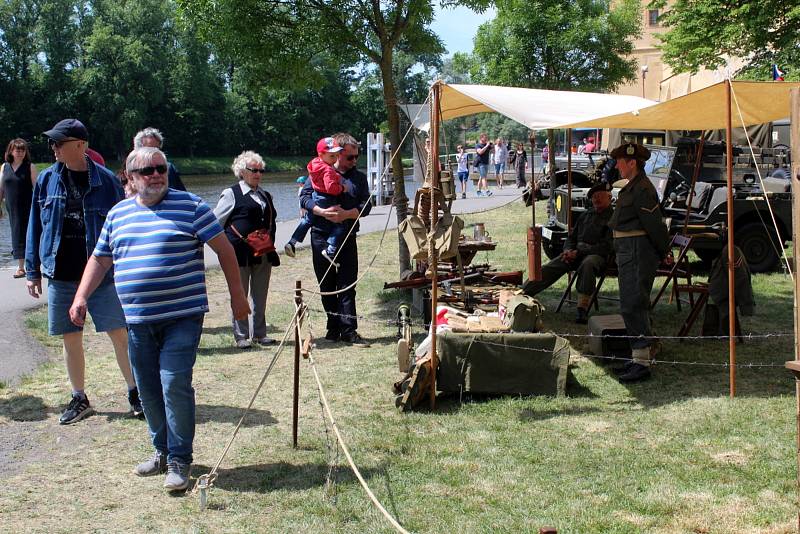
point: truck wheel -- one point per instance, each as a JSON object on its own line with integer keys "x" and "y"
{"x": 758, "y": 248}
{"x": 550, "y": 249}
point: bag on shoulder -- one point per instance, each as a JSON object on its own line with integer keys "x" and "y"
{"x": 260, "y": 241}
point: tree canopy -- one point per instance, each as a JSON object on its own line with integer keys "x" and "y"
{"x": 702, "y": 32}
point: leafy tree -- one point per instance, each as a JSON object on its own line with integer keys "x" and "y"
{"x": 702, "y": 32}
{"x": 289, "y": 36}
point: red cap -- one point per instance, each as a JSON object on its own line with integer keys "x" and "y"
{"x": 328, "y": 144}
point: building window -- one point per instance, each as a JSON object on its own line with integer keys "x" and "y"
{"x": 652, "y": 17}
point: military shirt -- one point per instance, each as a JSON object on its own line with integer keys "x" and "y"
{"x": 591, "y": 234}
{"x": 637, "y": 208}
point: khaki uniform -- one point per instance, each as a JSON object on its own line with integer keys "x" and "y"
{"x": 641, "y": 240}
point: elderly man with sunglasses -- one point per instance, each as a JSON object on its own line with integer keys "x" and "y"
{"x": 341, "y": 308}
{"x": 70, "y": 201}
{"x": 155, "y": 243}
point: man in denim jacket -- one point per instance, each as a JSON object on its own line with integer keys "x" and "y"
{"x": 70, "y": 201}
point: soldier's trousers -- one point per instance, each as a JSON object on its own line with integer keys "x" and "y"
{"x": 588, "y": 270}
{"x": 637, "y": 262}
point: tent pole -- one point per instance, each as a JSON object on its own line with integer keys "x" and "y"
{"x": 795, "y": 365}
{"x": 731, "y": 251}
{"x": 569, "y": 181}
{"x": 432, "y": 260}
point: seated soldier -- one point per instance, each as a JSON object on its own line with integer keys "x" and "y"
{"x": 586, "y": 252}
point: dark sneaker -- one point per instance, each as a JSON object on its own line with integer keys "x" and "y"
{"x": 624, "y": 368}
{"x": 289, "y": 249}
{"x": 636, "y": 373}
{"x": 463, "y": 195}
{"x": 178, "y": 474}
{"x": 264, "y": 341}
{"x": 333, "y": 336}
{"x": 154, "y": 466}
{"x": 136, "y": 404}
{"x": 355, "y": 340}
{"x": 79, "y": 408}
{"x": 582, "y": 316}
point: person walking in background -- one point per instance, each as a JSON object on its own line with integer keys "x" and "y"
{"x": 341, "y": 307}
{"x": 151, "y": 137}
{"x": 500, "y": 157}
{"x": 17, "y": 176}
{"x": 69, "y": 204}
{"x": 155, "y": 243}
{"x": 462, "y": 161}
{"x": 244, "y": 208}
{"x": 483, "y": 151}
{"x": 519, "y": 159}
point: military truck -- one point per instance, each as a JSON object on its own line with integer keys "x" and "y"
{"x": 670, "y": 169}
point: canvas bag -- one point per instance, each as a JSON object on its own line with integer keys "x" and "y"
{"x": 415, "y": 234}
{"x": 524, "y": 314}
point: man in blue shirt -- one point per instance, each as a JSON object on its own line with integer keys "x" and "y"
{"x": 341, "y": 307}
{"x": 155, "y": 242}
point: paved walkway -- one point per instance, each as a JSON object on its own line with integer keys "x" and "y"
{"x": 20, "y": 354}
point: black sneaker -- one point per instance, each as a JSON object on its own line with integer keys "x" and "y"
{"x": 624, "y": 368}
{"x": 136, "y": 404}
{"x": 78, "y": 409}
{"x": 355, "y": 340}
{"x": 636, "y": 373}
{"x": 333, "y": 336}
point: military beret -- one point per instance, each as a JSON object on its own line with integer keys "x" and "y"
{"x": 600, "y": 186}
{"x": 631, "y": 151}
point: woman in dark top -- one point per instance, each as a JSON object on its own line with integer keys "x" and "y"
{"x": 243, "y": 208}
{"x": 17, "y": 176}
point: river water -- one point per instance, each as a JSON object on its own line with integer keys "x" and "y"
{"x": 281, "y": 186}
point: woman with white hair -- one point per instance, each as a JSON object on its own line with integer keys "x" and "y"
{"x": 242, "y": 209}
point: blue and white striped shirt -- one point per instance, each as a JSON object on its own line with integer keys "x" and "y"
{"x": 157, "y": 251}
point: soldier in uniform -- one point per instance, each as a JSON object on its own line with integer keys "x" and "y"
{"x": 586, "y": 251}
{"x": 641, "y": 241}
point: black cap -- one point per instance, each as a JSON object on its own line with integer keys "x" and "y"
{"x": 68, "y": 129}
{"x": 631, "y": 151}
{"x": 600, "y": 186}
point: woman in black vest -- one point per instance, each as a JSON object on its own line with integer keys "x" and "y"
{"x": 17, "y": 176}
{"x": 246, "y": 207}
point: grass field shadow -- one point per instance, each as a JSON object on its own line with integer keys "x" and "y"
{"x": 23, "y": 408}
{"x": 264, "y": 478}
{"x": 231, "y": 414}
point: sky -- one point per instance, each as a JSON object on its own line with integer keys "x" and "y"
{"x": 457, "y": 27}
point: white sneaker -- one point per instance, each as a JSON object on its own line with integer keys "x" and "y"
{"x": 243, "y": 344}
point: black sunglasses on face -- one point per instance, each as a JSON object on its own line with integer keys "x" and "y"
{"x": 52, "y": 143}
{"x": 260, "y": 171}
{"x": 149, "y": 171}
{"x": 351, "y": 158}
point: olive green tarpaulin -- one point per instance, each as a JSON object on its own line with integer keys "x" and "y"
{"x": 519, "y": 364}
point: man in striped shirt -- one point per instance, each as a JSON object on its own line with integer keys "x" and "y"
{"x": 155, "y": 243}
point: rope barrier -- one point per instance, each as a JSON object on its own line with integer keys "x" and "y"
{"x": 206, "y": 481}
{"x": 346, "y": 450}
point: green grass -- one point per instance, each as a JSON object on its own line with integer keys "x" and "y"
{"x": 674, "y": 454}
{"x": 218, "y": 165}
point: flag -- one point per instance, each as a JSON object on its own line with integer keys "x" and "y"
{"x": 777, "y": 74}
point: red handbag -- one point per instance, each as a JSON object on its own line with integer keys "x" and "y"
{"x": 259, "y": 241}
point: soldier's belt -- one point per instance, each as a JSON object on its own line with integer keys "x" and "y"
{"x": 628, "y": 233}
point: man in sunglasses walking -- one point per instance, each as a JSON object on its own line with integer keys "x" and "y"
{"x": 70, "y": 203}
{"x": 340, "y": 307}
{"x": 155, "y": 243}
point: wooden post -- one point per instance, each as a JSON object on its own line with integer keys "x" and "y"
{"x": 298, "y": 301}
{"x": 569, "y": 181}
{"x": 731, "y": 251}
{"x": 795, "y": 365}
{"x": 433, "y": 169}
{"x": 534, "y": 238}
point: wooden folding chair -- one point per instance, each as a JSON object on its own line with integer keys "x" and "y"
{"x": 679, "y": 269}
{"x": 609, "y": 270}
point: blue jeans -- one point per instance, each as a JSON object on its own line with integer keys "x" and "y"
{"x": 162, "y": 356}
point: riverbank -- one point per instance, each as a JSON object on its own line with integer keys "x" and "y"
{"x": 217, "y": 165}
{"x": 674, "y": 454}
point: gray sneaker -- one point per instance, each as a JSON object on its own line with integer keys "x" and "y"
{"x": 178, "y": 474}
{"x": 153, "y": 466}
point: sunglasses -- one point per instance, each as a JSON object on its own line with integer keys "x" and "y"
{"x": 260, "y": 171}
{"x": 149, "y": 171}
{"x": 351, "y": 158}
{"x": 52, "y": 143}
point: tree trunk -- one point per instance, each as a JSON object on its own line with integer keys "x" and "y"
{"x": 400, "y": 199}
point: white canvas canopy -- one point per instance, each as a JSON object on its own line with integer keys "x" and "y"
{"x": 538, "y": 109}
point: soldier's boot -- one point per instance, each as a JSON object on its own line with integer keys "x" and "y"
{"x": 582, "y": 314}
{"x": 639, "y": 369}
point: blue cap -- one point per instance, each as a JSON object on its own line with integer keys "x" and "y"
{"x": 301, "y": 179}
{"x": 68, "y": 128}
